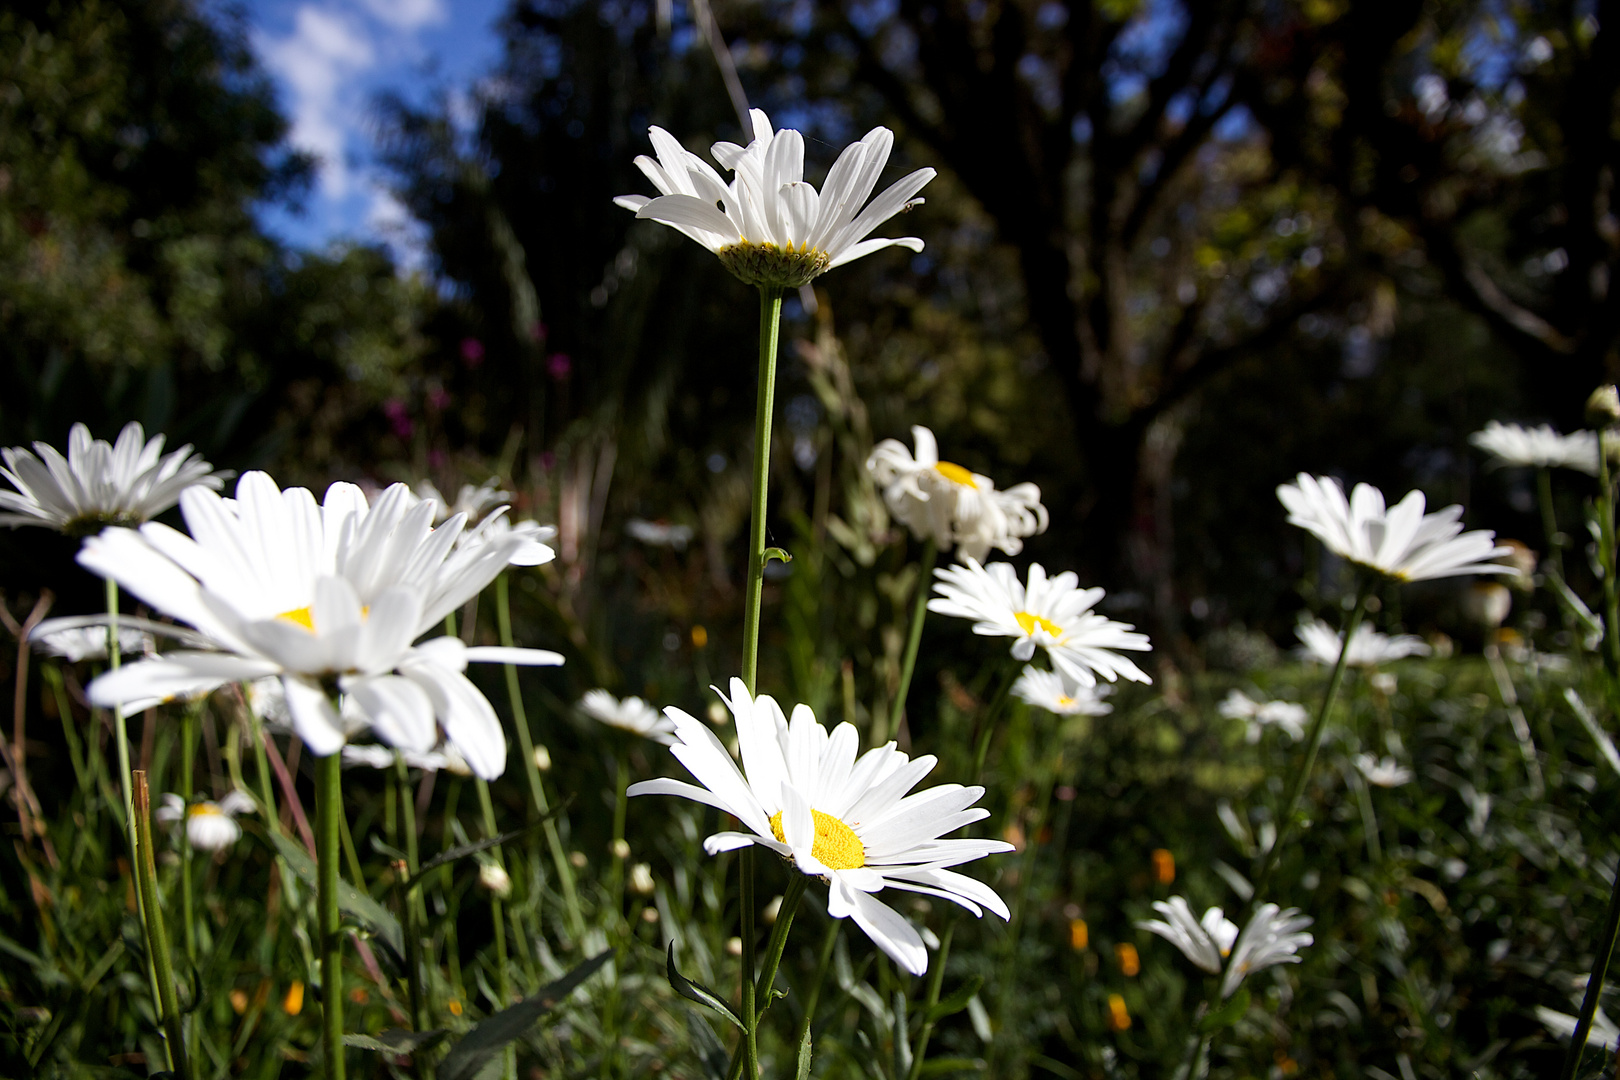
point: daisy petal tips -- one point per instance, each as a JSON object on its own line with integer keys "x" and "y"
{"x": 1400, "y": 542}
{"x": 768, "y": 226}
{"x": 803, "y": 793}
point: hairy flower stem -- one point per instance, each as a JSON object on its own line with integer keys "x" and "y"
{"x": 770, "y": 321}
{"x": 919, "y": 608}
{"x": 1313, "y": 743}
{"x": 531, "y": 769}
{"x": 157, "y": 937}
{"x": 328, "y": 805}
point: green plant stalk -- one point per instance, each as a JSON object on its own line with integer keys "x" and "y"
{"x": 779, "y": 935}
{"x": 328, "y": 808}
{"x": 1313, "y": 744}
{"x": 1549, "y": 520}
{"x": 770, "y": 321}
{"x": 823, "y": 961}
{"x": 749, "y": 1011}
{"x": 412, "y": 901}
{"x": 935, "y": 979}
{"x": 986, "y": 727}
{"x": 919, "y": 608}
{"x": 497, "y": 914}
{"x": 537, "y": 789}
{"x": 157, "y": 938}
{"x": 188, "y": 739}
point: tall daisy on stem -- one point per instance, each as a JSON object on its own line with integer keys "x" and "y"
{"x": 1398, "y": 543}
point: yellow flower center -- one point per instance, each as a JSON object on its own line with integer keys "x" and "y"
{"x": 205, "y": 809}
{"x": 303, "y": 616}
{"x": 1030, "y": 621}
{"x": 836, "y": 845}
{"x": 1064, "y": 701}
{"x": 956, "y": 474}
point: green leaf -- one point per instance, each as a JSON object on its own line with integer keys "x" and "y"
{"x": 936, "y": 1066}
{"x": 779, "y": 554}
{"x": 397, "y": 1040}
{"x": 711, "y": 1055}
{"x": 372, "y": 915}
{"x": 902, "y": 1039}
{"x": 802, "y": 1071}
{"x": 956, "y": 1002}
{"x": 486, "y": 1040}
{"x": 1227, "y": 1015}
{"x": 697, "y": 992}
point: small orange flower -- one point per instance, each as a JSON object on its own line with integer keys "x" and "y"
{"x": 1119, "y": 1017}
{"x": 359, "y": 996}
{"x": 239, "y": 1001}
{"x": 700, "y": 636}
{"x": 1164, "y": 866}
{"x": 293, "y": 1003}
{"x": 1079, "y": 934}
{"x": 1129, "y": 962}
{"x": 455, "y": 1007}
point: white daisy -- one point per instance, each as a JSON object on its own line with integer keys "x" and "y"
{"x": 1368, "y": 647}
{"x": 78, "y": 643}
{"x": 1290, "y": 716}
{"x": 632, "y": 715}
{"x": 473, "y": 499}
{"x": 1401, "y": 542}
{"x": 329, "y": 598}
{"x": 444, "y": 759}
{"x": 946, "y": 503}
{"x": 1272, "y": 937}
{"x": 1053, "y": 613}
{"x": 210, "y": 826}
{"x": 768, "y": 226}
{"x": 1050, "y": 691}
{"x": 1539, "y": 447}
{"x": 659, "y": 533}
{"x": 1385, "y": 772}
{"x": 1603, "y": 1031}
{"x": 804, "y": 794}
{"x": 488, "y": 519}
{"x": 1207, "y": 942}
{"x": 97, "y": 484}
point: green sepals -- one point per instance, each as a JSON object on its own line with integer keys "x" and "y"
{"x": 773, "y": 267}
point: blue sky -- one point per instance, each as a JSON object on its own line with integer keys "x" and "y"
{"x": 330, "y": 59}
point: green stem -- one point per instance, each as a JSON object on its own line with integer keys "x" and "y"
{"x": 987, "y": 721}
{"x": 919, "y": 607}
{"x": 328, "y": 808}
{"x": 537, "y": 789}
{"x": 1313, "y": 743}
{"x": 1549, "y": 520}
{"x": 828, "y": 939}
{"x": 1611, "y": 594}
{"x": 1594, "y": 984}
{"x": 770, "y": 321}
{"x": 935, "y": 979}
{"x": 497, "y": 914}
{"x": 157, "y": 937}
{"x": 750, "y": 1012}
{"x": 188, "y": 738}
{"x": 779, "y": 935}
{"x": 412, "y": 900}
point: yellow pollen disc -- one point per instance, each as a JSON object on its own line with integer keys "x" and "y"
{"x": 836, "y": 844}
{"x": 303, "y": 616}
{"x": 205, "y": 809}
{"x": 1031, "y": 622}
{"x": 1065, "y": 701}
{"x": 956, "y": 474}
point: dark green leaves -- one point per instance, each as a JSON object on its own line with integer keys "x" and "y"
{"x": 486, "y": 1040}
{"x": 697, "y": 992}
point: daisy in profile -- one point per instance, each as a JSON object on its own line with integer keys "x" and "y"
{"x": 803, "y": 793}
{"x": 950, "y": 505}
{"x": 1538, "y": 447}
{"x": 1207, "y": 942}
{"x": 1368, "y": 648}
{"x": 1382, "y": 772}
{"x": 485, "y": 510}
{"x": 1287, "y": 716}
{"x": 98, "y": 483}
{"x": 768, "y": 226}
{"x": 374, "y": 756}
{"x": 1053, "y": 613}
{"x": 328, "y": 598}
{"x": 1050, "y": 691}
{"x": 89, "y": 642}
{"x": 210, "y": 826}
{"x": 632, "y": 715}
{"x": 1400, "y": 542}
{"x": 1274, "y": 936}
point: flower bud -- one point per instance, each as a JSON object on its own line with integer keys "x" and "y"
{"x": 496, "y": 880}
{"x": 542, "y": 758}
{"x": 1603, "y": 407}
{"x": 621, "y": 849}
{"x": 641, "y": 879}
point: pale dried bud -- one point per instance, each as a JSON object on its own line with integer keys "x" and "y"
{"x": 641, "y": 879}
{"x": 496, "y": 880}
{"x": 772, "y": 910}
{"x": 542, "y": 758}
{"x": 1603, "y": 407}
{"x": 621, "y": 850}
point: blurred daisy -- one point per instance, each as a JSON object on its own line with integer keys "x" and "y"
{"x": 1053, "y": 613}
{"x": 329, "y": 598}
{"x": 445, "y": 759}
{"x": 631, "y": 714}
{"x": 474, "y": 500}
{"x": 1272, "y": 937}
{"x": 210, "y": 826}
{"x": 1400, "y": 542}
{"x": 78, "y": 643}
{"x": 1368, "y": 647}
{"x": 768, "y": 226}
{"x": 946, "y": 503}
{"x": 1539, "y": 447}
{"x": 804, "y": 794}
{"x": 1050, "y": 691}
{"x": 97, "y": 484}
{"x": 488, "y": 519}
{"x": 1290, "y": 716}
{"x": 1603, "y": 1032}
{"x": 1382, "y": 772}
{"x": 1207, "y": 942}
{"x": 659, "y": 533}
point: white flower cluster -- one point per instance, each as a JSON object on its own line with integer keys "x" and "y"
{"x": 1274, "y": 936}
{"x": 1287, "y": 716}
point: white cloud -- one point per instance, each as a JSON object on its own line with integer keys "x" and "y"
{"x": 406, "y": 14}
{"x": 319, "y": 64}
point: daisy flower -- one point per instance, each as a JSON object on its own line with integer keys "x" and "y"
{"x": 1290, "y": 716}
{"x": 1053, "y": 613}
{"x": 804, "y": 794}
{"x": 327, "y": 597}
{"x": 1050, "y": 691}
{"x": 1272, "y": 937}
{"x": 632, "y": 715}
{"x": 1385, "y": 772}
{"x": 97, "y": 484}
{"x": 768, "y": 226}
{"x": 950, "y": 505}
{"x": 1539, "y": 447}
{"x": 1400, "y": 542}
{"x": 210, "y": 826}
{"x": 1368, "y": 647}
{"x": 1207, "y": 942}
{"x": 474, "y": 500}
{"x": 89, "y": 642}
{"x": 1603, "y": 1031}
{"x": 659, "y": 533}
{"x": 444, "y": 759}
